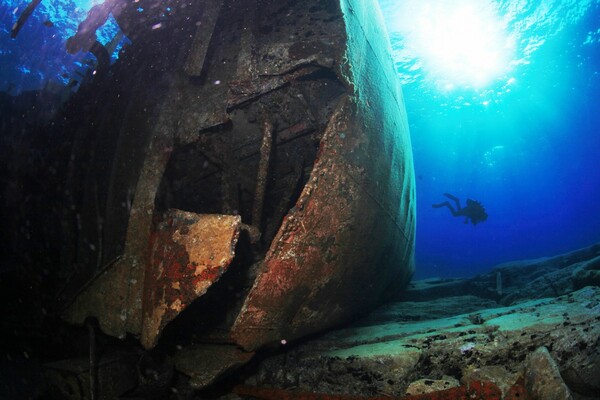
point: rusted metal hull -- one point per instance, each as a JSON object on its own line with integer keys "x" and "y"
{"x": 305, "y": 141}
{"x": 336, "y": 252}
{"x": 349, "y": 240}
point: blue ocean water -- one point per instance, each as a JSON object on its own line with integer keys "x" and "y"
{"x": 36, "y": 57}
{"x": 525, "y": 142}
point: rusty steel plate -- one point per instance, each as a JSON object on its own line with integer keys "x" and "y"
{"x": 188, "y": 253}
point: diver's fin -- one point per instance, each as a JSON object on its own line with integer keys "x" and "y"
{"x": 444, "y": 204}
{"x": 448, "y": 195}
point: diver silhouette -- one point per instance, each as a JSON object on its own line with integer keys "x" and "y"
{"x": 474, "y": 210}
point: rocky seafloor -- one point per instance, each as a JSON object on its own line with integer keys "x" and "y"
{"x": 530, "y": 328}
{"x": 525, "y": 330}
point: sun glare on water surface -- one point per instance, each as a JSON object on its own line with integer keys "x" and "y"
{"x": 459, "y": 43}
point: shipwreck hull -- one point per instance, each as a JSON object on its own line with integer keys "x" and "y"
{"x": 285, "y": 132}
{"x": 337, "y": 250}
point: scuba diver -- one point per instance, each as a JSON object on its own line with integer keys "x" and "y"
{"x": 474, "y": 211}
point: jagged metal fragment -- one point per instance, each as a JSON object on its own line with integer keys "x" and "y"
{"x": 189, "y": 252}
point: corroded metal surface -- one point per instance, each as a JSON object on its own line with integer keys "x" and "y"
{"x": 114, "y": 296}
{"x": 349, "y": 239}
{"x": 325, "y": 189}
{"x": 189, "y": 252}
{"x": 199, "y": 48}
{"x": 336, "y": 252}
